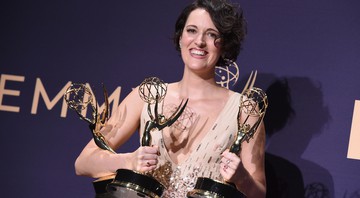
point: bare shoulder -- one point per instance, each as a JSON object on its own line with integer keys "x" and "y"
{"x": 133, "y": 97}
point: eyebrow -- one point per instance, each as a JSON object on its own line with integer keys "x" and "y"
{"x": 209, "y": 29}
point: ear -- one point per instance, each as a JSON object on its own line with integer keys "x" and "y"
{"x": 180, "y": 42}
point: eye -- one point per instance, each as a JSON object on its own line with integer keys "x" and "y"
{"x": 191, "y": 30}
{"x": 212, "y": 35}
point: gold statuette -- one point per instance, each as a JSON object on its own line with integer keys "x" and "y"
{"x": 78, "y": 98}
{"x": 253, "y": 105}
{"x": 128, "y": 183}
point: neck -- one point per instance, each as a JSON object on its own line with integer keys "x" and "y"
{"x": 196, "y": 86}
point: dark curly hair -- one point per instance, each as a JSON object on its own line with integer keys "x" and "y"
{"x": 227, "y": 18}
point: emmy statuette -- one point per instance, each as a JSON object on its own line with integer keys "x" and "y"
{"x": 129, "y": 183}
{"x": 253, "y": 103}
{"x": 78, "y": 97}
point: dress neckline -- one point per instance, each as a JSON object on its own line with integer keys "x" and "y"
{"x": 191, "y": 153}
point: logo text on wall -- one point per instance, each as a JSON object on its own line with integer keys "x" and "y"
{"x": 40, "y": 91}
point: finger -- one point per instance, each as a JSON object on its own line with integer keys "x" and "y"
{"x": 151, "y": 162}
{"x": 227, "y": 163}
{"x": 229, "y": 155}
{"x": 148, "y": 153}
{"x": 152, "y": 149}
{"x": 225, "y": 172}
{"x": 233, "y": 164}
{"x": 224, "y": 152}
{"x": 148, "y": 162}
{"x": 229, "y": 166}
{"x": 148, "y": 165}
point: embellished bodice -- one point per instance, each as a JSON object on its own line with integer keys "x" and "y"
{"x": 204, "y": 161}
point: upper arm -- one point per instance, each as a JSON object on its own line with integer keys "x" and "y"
{"x": 124, "y": 121}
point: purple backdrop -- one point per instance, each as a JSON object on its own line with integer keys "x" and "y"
{"x": 306, "y": 53}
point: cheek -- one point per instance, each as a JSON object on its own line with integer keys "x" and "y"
{"x": 186, "y": 40}
{"x": 216, "y": 53}
{"x": 183, "y": 52}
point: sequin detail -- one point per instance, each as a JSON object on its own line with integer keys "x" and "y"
{"x": 181, "y": 184}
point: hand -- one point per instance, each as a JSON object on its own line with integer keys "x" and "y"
{"x": 145, "y": 158}
{"x": 231, "y": 167}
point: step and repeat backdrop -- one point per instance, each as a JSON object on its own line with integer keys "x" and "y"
{"x": 307, "y": 54}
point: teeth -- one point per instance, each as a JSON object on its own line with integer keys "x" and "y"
{"x": 198, "y": 52}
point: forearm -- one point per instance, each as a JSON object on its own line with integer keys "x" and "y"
{"x": 251, "y": 187}
{"x": 253, "y": 180}
{"x": 97, "y": 163}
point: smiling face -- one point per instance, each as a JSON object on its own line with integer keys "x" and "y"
{"x": 200, "y": 41}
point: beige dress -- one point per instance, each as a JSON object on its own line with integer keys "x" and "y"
{"x": 202, "y": 162}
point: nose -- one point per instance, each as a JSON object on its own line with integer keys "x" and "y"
{"x": 199, "y": 40}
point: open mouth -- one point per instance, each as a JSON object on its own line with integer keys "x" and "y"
{"x": 198, "y": 52}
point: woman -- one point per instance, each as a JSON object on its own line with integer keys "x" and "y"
{"x": 207, "y": 33}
